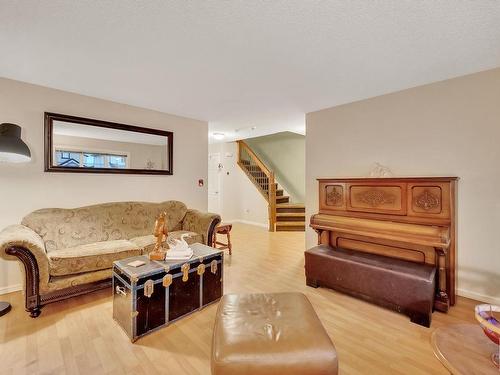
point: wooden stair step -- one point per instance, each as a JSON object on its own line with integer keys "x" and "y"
{"x": 290, "y": 205}
{"x": 292, "y": 223}
{"x": 291, "y": 226}
{"x": 291, "y": 229}
{"x": 280, "y": 219}
{"x": 290, "y": 208}
{"x": 290, "y": 214}
{"x": 282, "y": 199}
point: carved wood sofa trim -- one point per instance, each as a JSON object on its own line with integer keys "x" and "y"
{"x": 32, "y": 282}
{"x": 33, "y": 299}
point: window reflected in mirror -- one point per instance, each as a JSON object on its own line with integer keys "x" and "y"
{"x": 78, "y": 159}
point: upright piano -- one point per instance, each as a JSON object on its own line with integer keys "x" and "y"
{"x": 410, "y": 218}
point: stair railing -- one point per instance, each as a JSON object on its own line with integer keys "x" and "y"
{"x": 261, "y": 176}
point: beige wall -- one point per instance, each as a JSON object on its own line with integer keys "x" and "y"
{"x": 138, "y": 153}
{"x": 239, "y": 198}
{"x": 285, "y": 154}
{"x": 446, "y": 128}
{"x": 25, "y": 187}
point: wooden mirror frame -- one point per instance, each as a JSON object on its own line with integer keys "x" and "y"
{"x": 49, "y": 125}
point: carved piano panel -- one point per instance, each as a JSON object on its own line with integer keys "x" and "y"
{"x": 429, "y": 200}
{"x": 410, "y": 218}
{"x": 378, "y": 198}
{"x": 334, "y": 197}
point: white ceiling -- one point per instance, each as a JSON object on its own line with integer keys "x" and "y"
{"x": 241, "y": 63}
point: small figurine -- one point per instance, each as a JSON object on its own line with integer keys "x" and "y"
{"x": 380, "y": 170}
{"x": 160, "y": 232}
{"x": 176, "y": 245}
{"x": 178, "y": 249}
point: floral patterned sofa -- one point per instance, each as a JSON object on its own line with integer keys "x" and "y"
{"x": 68, "y": 252}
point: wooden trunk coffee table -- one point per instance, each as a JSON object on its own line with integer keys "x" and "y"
{"x": 158, "y": 293}
{"x": 464, "y": 349}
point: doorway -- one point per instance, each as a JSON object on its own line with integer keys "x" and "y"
{"x": 214, "y": 183}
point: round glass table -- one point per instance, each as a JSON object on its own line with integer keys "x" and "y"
{"x": 464, "y": 349}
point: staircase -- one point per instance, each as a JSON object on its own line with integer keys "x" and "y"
{"x": 283, "y": 216}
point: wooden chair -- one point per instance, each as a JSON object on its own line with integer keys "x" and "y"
{"x": 223, "y": 229}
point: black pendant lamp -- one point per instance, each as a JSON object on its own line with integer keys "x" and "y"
{"x": 12, "y": 147}
{"x": 12, "y": 150}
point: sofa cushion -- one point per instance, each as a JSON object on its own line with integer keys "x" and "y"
{"x": 147, "y": 243}
{"x": 67, "y": 228}
{"x": 90, "y": 257}
{"x": 68, "y": 281}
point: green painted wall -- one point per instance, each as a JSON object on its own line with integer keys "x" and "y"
{"x": 285, "y": 154}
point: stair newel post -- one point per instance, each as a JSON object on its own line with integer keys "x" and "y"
{"x": 272, "y": 202}
{"x": 239, "y": 151}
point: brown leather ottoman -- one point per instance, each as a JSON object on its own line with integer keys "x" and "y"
{"x": 269, "y": 334}
{"x": 401, "y": 285}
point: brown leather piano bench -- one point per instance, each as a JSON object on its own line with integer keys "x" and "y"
{"x": 401, "y": 285}
{"x": 269, "y": 334}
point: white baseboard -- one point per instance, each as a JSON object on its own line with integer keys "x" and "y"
{"x": 10, "y": 288}
{"x": 246, "y": 222}
{"x": 478, "y": 297}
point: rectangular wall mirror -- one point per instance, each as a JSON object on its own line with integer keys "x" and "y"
{"x": 77, "y": 144}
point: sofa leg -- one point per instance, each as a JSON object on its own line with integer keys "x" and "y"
{"x": 35, "y": 311}
{"x": 312, "y": 283}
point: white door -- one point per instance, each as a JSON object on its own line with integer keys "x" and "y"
{"x": 214, "y": 173}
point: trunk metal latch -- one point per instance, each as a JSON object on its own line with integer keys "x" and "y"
{"x": 149, "y": 288}
{"x": 167, "y": 280}
{"x": 185, "y": 272}
{"x": 213, "y": 266}
{"x": 201, "y": 269}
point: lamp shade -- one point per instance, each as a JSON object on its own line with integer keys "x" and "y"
{"x": 12, "y": 147}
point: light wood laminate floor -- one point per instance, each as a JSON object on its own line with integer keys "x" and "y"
{"x": 79, "y": 336}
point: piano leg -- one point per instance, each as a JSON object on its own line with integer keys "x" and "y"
{"x": 442, "y": 301}
{"x": 321, "y": 241}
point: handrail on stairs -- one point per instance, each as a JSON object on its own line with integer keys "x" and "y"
{"x": 261, "y": 176}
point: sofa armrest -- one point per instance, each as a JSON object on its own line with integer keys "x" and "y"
{"x": 203, "y": 223}
{"x": 22, "y": 236}
{"x": 25, "y": 245}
